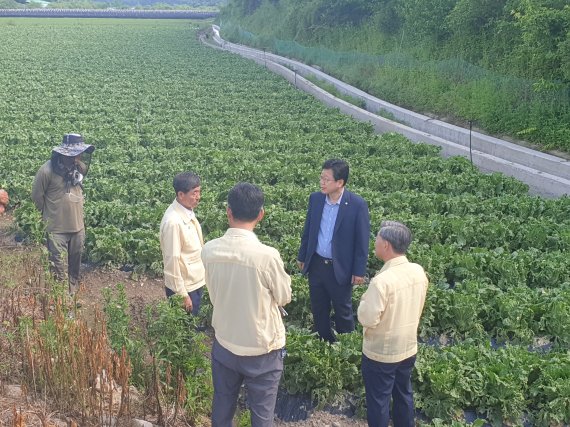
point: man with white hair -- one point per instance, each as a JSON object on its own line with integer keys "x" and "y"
{"x": 390, "y": 312}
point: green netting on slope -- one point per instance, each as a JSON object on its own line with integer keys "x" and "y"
{"x": 534, "y": 110}
{"x": 455, "y": 69}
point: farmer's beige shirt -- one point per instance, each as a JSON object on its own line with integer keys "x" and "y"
{"x": 246, "y": 283}
{"x": 181, "y": 244}
{"x": 62, "y": 211}
{"x": 390, "y": 311}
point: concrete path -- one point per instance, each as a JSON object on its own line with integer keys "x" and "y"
{"x": 545, "y": 174}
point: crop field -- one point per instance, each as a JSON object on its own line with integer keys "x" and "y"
{"x": 155, "y": 102}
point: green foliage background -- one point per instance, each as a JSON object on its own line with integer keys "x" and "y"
{"x": 155, "y": 102}
{"x": 503, "y": 64}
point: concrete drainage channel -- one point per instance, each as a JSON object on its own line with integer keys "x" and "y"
{"x": 545, "y": 174}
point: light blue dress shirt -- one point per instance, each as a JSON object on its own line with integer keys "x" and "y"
{"x": 326, "y": 228}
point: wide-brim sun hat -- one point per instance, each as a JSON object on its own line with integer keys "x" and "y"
{"x": 73, "y": 145}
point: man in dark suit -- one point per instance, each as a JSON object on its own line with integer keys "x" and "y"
{"x": 334, "y": 249}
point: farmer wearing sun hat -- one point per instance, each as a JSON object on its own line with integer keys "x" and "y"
{"x": 58, "y": 193}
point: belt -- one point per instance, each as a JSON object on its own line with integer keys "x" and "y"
{"x": 326, "y": 261}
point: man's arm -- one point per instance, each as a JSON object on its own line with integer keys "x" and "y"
{"x": 278, "y": 281}
{"x": 302, "y": 256}
{"x": 361, "y": 242}
{"x": 39, "y": 188}
{"x": 371, "y": 306}
{"x": 171, "y": 245}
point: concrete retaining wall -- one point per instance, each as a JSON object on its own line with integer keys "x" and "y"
{"x": 545, "y": 174}
{"x": 106, "y": 13}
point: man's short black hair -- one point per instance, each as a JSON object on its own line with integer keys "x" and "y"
{"x": 185, "y": 182}
{"x": 245, "y": 201}
{"x": 339, "y": 169}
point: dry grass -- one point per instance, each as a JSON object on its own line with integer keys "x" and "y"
{"x": 63, "y": 365}
{"x": 67, "y": 373}
{"x": 59, "y": 360}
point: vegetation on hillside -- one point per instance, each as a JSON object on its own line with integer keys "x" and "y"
{"x": 11, "y": 4}
{"x": 504, "y": 64}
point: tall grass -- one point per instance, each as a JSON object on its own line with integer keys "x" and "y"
{"x": 109, "y": 369}
{"x": 535, "y": 111}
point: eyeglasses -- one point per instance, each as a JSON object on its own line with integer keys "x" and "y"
{"x": 325, "y": 179}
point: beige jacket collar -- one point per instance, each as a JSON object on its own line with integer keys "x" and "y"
{"x": 186, "y": 215}
{"x": 394, "y": 262}
{"x": 240, "y": 232}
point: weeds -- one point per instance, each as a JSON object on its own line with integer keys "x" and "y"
{"x": 177, "y": 381}
{"x": 330, "y": 88}
{"x": 109, "y": 370}
{"x": 70, "y": 365}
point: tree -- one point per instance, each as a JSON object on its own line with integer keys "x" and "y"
{"x": 247, "y": 7}
{"x": 472, "y": 25}
{"x": 424, "y": 20}
{"x": 386, "y": 18}
{"x": 565, "y": 58}
{"x": 332, "y": 13}
{"x": 544, "y": 27}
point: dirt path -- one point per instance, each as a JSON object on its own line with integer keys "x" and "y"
{"x": 324, "y": 419}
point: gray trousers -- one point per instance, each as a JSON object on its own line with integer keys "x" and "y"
{"x": 261, "y": 376}
{"x": 65, "y": 256}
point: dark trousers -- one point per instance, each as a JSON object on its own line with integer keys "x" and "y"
{"x": 195, "y": 296}
{"x": 325, "y": 291}
{"x": 65, "y": 257}
{"x": 260, "y": 374}
{"x": 385, "y": 380}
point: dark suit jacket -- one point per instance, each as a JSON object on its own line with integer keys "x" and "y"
{"x": 350, "y": 240}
